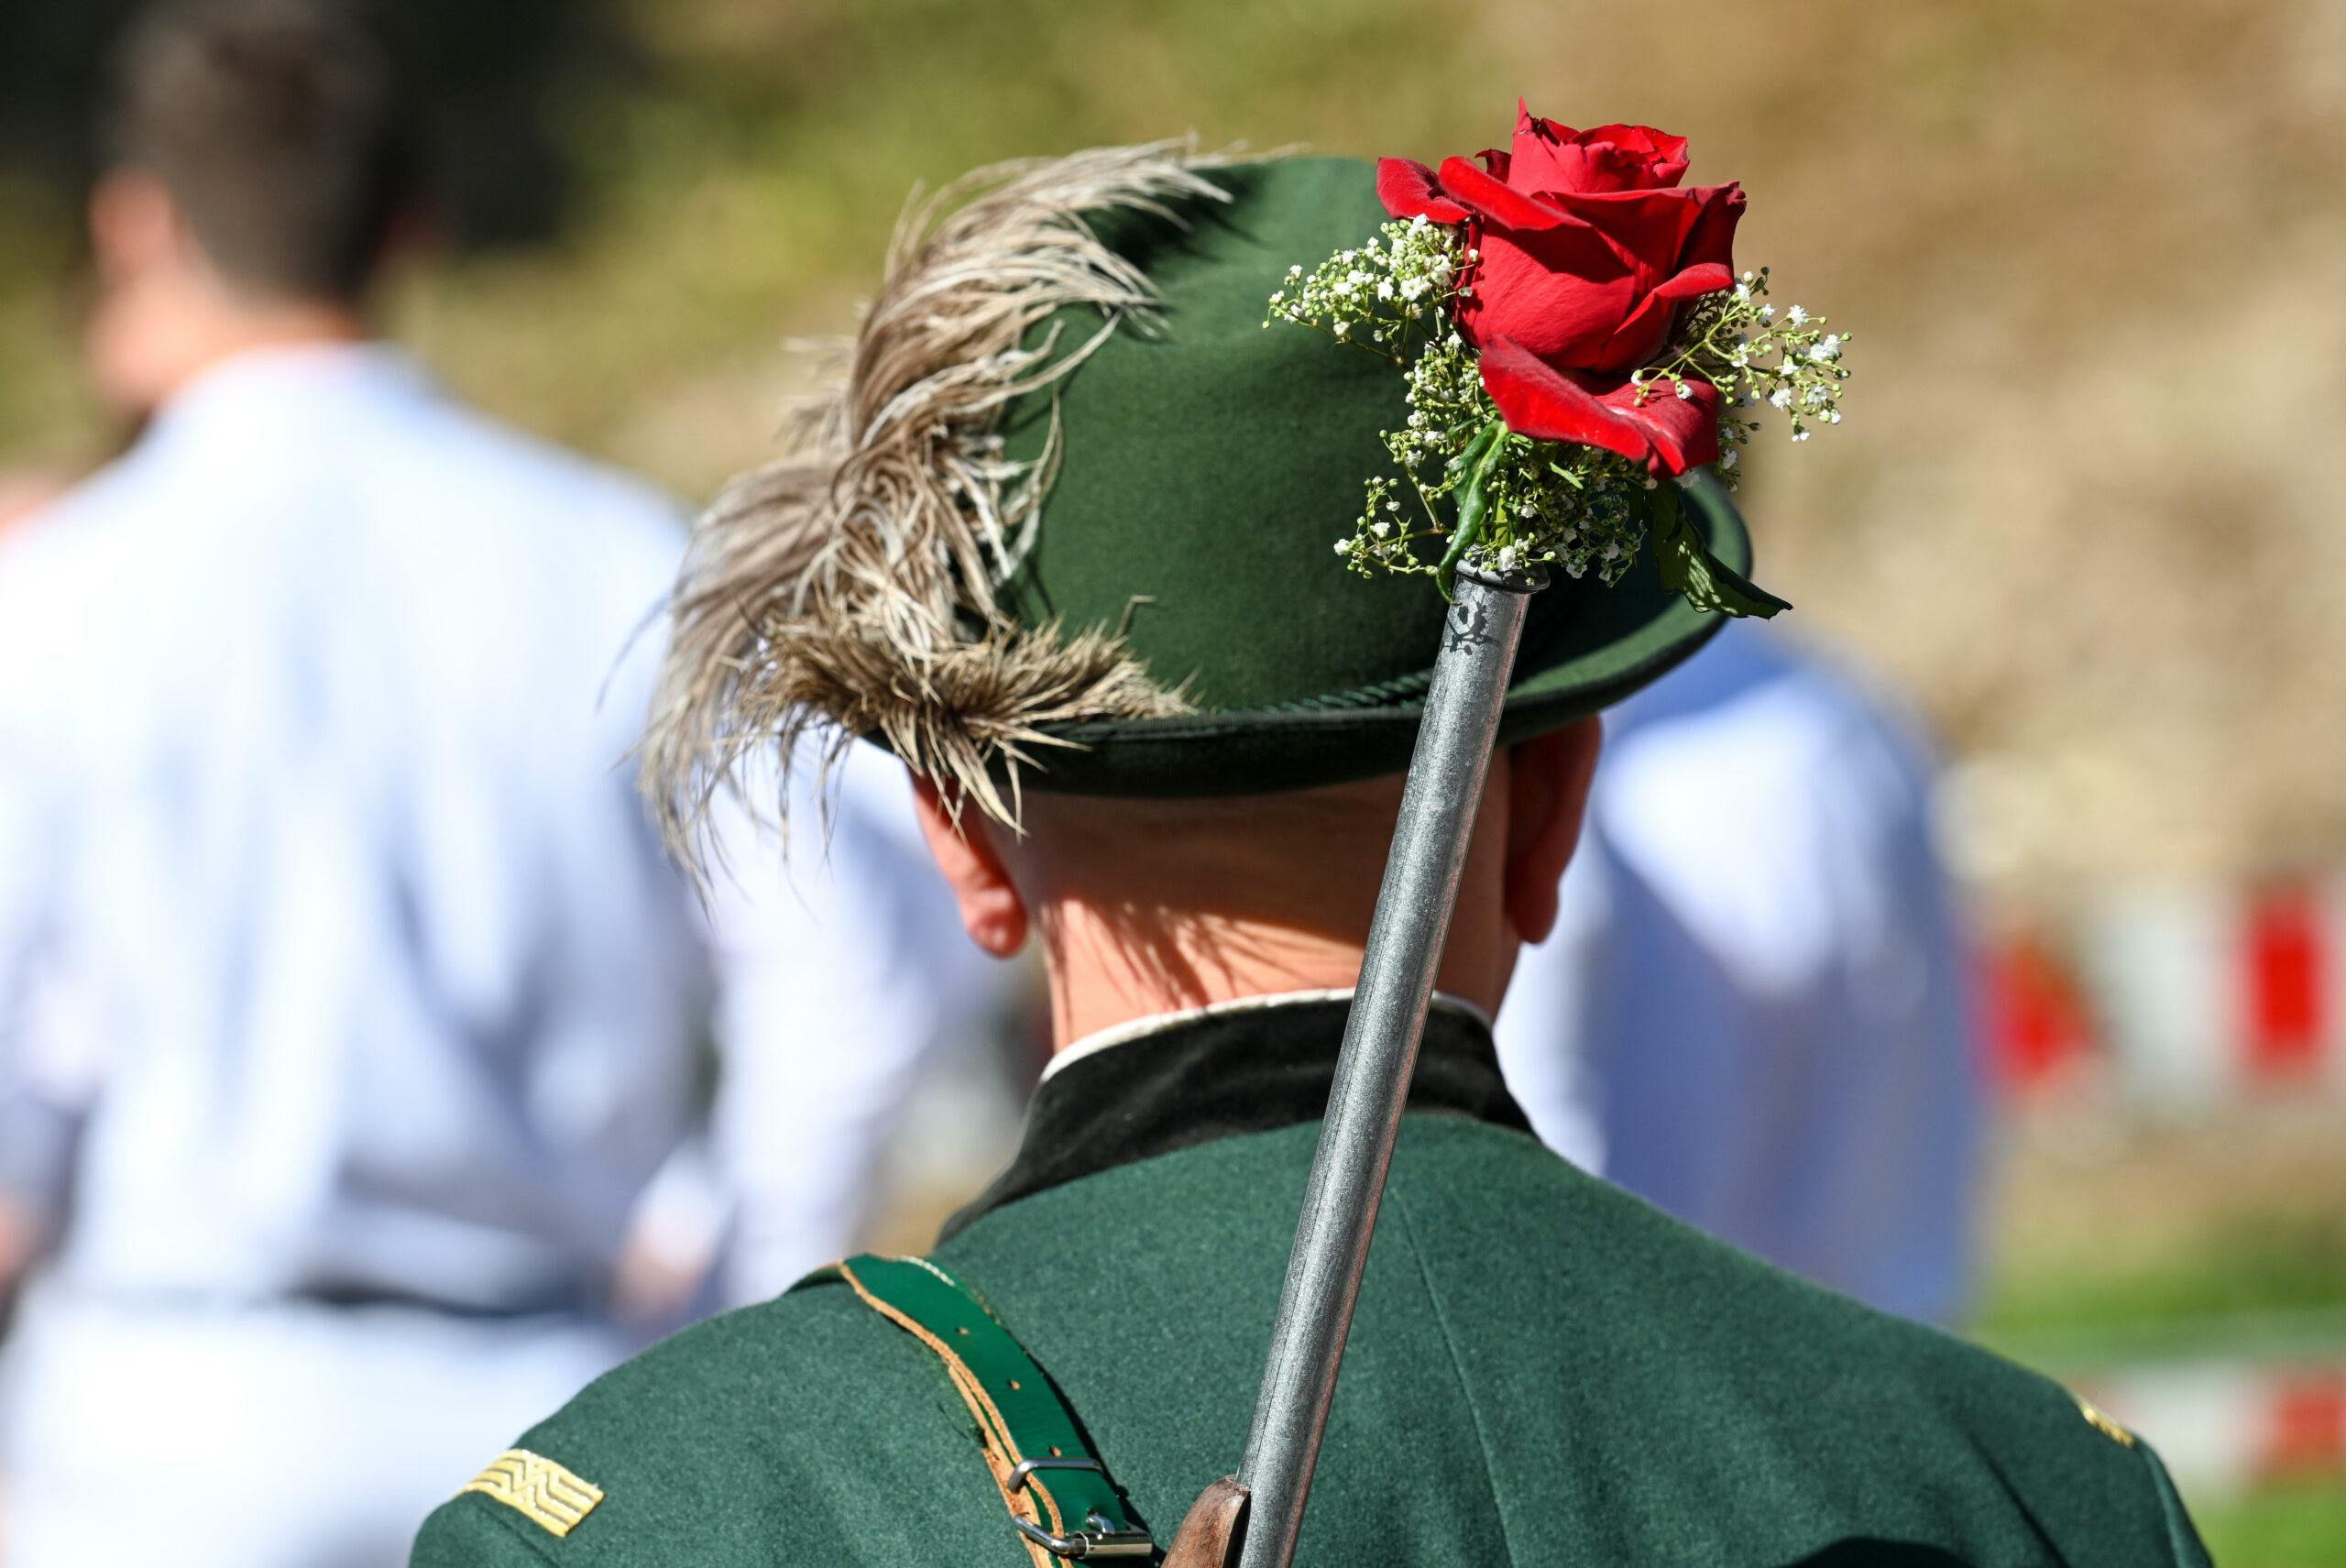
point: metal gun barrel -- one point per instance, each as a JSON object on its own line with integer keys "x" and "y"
{"x": 1380, "y": 1051}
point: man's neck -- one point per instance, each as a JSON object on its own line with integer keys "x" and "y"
{"x": 1108, "y": 971}
{"x": 155, "y": 335}
{"x": 232, "y": 335}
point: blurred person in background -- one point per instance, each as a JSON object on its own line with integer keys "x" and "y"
{"x": 25, "y": 492}
{"x": 1753, "y": 1009}
{"x": 349, "y": 1005}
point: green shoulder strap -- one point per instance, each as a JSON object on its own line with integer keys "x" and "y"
{"x": 1058, "y": 1494}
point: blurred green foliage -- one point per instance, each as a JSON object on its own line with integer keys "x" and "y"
{"x": 2254, "y": 1271}
{"x": 2298, "y": 1525}
{"x": 2221, "y": 1241}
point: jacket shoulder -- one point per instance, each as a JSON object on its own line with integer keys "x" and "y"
{"x": 805, "y": 1428}
{"x": 1559, "y": 1365}
{"x": 1729, "y": 1384}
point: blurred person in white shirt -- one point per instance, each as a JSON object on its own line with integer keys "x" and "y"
{"x": 25, "y": 492}
{"x": 348, "y": 1005}
{"x": 1754, "y": 1009}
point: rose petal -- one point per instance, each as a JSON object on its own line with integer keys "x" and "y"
{"x": 1658, "y": 158}
{"x": 1549, "y": 156}
{"x": 1686, "y": 430}
{"x": 1592, "y": 310}
{"x": 1535, "y": 164}
{"x": 1711, "y": 239}
{"x": 1561, "y": 294}
{"x": 1408, "y": 189}
{"x": 1648, "y": 325}
{"x": 1703, "y": 278}
{"x": 1667, "y": 433}
{"x": 1538, "y": 401}
{"x": 1498, "y": 202}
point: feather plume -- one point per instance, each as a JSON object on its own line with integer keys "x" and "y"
{"x": 849, "y": 587}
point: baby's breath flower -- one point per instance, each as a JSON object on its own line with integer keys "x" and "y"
{"x": 1557, "y": 504}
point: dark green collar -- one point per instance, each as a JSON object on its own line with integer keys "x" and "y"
{"x": 1217, "y": 1073}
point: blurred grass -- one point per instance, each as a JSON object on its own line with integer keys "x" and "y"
{"x": 2296, "y": 1525}
{"x": 2116, "y": 1244}
{"x": 2113, "y": 1236}
{"x": 2257, "y": 1280}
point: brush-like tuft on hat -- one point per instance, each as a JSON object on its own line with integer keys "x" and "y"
{"x": 851, "y": 585}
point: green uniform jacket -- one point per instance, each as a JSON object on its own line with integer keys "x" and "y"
{"x": 1543, "y": 1370}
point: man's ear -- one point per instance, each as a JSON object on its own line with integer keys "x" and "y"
{"x": 992, "y": 911}
{"x": 134, "y": 225}
{"x": 1548, "y": 781}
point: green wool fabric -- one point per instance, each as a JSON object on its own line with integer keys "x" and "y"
{"x": 1543, "y": 1371}
{"x": 1210, "y": 465}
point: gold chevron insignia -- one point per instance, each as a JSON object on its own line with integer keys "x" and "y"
{"x": 2103, "y": 1424}
{"x": 537, "y": 1488}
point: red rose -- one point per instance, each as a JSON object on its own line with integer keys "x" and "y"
{"x": 1587, "y": 251}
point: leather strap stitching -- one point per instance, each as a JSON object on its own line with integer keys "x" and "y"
{"x": 1000, "y": 1450}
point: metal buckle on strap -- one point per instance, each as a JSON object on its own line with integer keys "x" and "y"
{"x": 1102, "y": 1539}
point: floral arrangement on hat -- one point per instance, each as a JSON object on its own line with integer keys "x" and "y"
{"x": 1574, "y": 334}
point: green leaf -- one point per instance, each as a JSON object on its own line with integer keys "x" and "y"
{"x": 1687, "y": 565}
{"x": 1474, "y": 464}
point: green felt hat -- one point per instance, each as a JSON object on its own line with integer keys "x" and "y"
{"x": 1071, "y": 525}
{"x": 1210, "y": 463}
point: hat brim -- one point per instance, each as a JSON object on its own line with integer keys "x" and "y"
{"x": 1585, "y": 646}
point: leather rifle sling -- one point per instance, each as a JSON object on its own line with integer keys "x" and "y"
{"x": 1060, "y": 1498}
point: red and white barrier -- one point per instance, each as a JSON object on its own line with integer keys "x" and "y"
{"x": 2226, "y": 1426}
{"x": 2191, "y": 993}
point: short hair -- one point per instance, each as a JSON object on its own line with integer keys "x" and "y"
{"x": 278, "y": 131}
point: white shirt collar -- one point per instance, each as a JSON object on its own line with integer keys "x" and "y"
{"x": 1159, "y": 1022}
{"x": 299, "y": 371}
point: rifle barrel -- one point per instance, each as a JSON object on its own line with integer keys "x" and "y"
{"x": 1380, "y": 1051}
